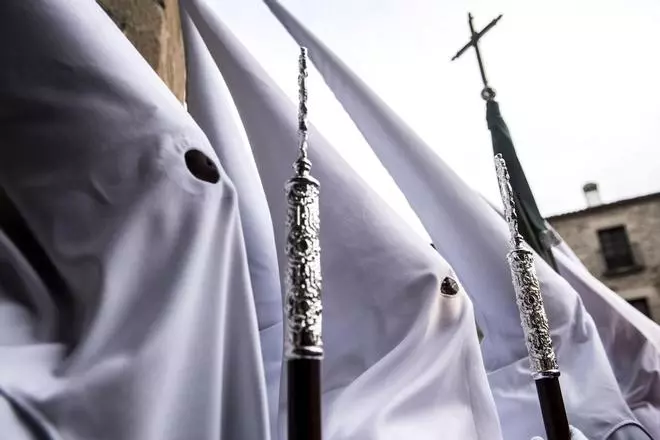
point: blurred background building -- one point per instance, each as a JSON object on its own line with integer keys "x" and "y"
{"x": 154, "y": 28}
{"x": 619, "y": 242}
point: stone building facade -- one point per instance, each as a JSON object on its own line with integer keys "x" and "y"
{"x": 619, "y": 243}
{"x": 154, "y": 28}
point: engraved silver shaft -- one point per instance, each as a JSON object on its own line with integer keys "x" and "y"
{"x": 526, "y": 284}
{"x": 302, "y": 302}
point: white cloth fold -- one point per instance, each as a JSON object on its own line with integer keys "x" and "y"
{"x": 401, "y": 359}
{"x": 631, "y": 340}
{"x": 93, "y": 154}
{"x": 211, "y": 105}
{"x": 469, "y": 234}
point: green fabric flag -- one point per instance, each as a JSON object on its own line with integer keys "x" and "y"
{"x": 532, "y": 225}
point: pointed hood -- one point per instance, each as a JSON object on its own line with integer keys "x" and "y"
{"x": 474, "y": 239}
{"x": 129, "y": 202}
{"x": 212, "y": 107}
{"x": 401, "y": 353}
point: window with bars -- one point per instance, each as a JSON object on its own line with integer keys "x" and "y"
{"x": 616, "y": 248}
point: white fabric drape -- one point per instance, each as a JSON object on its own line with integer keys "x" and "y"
{"x": 402, "y": 359}
{"x": 211, "y": 105}
{"x": 164, "y": 342}
{"x": 470, "y": 235}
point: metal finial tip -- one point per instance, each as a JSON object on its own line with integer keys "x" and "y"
{"x": 302, "y": 165}
{"x": 488, "y": 93}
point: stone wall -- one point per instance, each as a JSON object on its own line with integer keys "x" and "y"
{"x": 154, "y": 28}
{"x": 642, "y": 221}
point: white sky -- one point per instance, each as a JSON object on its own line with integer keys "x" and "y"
{"x": 578, "y": 82}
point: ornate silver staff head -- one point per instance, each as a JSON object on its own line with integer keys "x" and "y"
{"x": 526, "y": 284}
{"x": 302, "y": 302}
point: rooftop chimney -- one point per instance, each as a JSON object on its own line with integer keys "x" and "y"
{"x": 591, "y": 194}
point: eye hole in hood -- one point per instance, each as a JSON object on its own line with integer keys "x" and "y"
{"x": 201, "y": 166}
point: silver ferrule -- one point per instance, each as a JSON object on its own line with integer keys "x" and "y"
{"x": 526, "y": 284}
{"x": 302, "y": 302}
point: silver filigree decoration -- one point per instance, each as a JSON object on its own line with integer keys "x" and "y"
{"x": 526, "y": 284}
{"x": 302, "y": 303}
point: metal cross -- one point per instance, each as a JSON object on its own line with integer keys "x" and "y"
{"x": 488, "y": 93}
